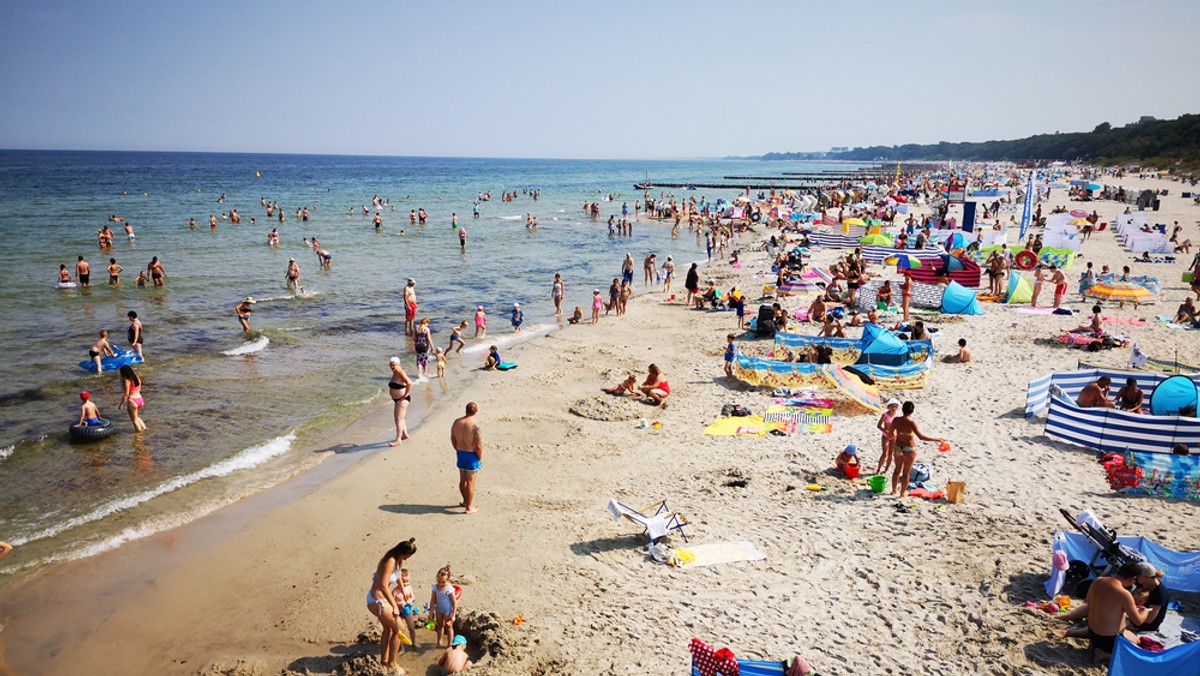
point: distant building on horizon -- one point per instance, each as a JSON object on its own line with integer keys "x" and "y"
{"x": 840, "y": 149}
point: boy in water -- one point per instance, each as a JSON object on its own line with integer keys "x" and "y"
{"x": 89, "y": 414}
{"x": 518, "y": 317}
{"x": 101, "y": 349}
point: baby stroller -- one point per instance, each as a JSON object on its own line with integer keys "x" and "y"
{"x": 1109, "y": 555}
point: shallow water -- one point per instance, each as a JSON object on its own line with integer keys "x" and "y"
{"x": 230, "y": 413}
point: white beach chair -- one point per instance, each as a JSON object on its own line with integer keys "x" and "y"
{"x": 656, "y": 520}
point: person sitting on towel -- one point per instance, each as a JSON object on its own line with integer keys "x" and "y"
{"x": 1095, "y": 326}
{"x": 817, "y": 311}
{"x": 1129, "y": 398}
{"x": 1186, "y": 315}
{"x": 1095, "y": 395}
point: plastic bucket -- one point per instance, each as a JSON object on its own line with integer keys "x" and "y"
{"x": 851, "y": 471}
{"x": 878, "y": 483}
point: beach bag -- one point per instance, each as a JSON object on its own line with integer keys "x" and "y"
{"x": 921, "y": 472}
{"x": 956, "y": 491}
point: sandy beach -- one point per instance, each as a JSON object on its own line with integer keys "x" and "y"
{"x": 855, "y": 582}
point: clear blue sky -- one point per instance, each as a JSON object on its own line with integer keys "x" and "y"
{"x": 572, "y": 79}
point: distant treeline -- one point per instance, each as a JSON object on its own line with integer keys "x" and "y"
{"x": 1157, "y": 143}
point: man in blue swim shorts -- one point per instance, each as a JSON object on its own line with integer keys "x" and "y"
{"x": 467, "y": 441}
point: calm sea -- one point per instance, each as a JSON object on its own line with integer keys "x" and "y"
{"x": 230, "y": 414}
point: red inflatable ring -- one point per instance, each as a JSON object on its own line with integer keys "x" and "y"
{"x": 1026, "y": 260}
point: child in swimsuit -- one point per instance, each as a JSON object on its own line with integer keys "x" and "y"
{"x": 456, "y": 337}
{"x": 403, "y": 593}
{"x": 480, "y": 322}
{"x": 888, "y": 442}
{"x": 444, "y": 603}
{"x": 440, "y": 357}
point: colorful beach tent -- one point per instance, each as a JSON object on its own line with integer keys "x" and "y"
{"x": 1176, "y": 395}
{"x": 1019, "y": 289}
{"x": 1130, "y": 660}
{"x": 880, "y": 346}
{"x": 959, "y": 300}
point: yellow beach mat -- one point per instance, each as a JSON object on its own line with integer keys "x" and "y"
{"x": 718, "y": 552}
{"x": 738, "y": 426}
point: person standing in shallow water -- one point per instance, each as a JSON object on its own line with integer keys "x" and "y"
{"x": 400, "y": 389}
{"x": 556, "y": 293}
{"x": 467, "y": 441}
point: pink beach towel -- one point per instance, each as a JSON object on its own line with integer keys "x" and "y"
{"x": 1128, "y": 321}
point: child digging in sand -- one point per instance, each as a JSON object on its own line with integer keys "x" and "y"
{"x": 454, "y": 660}
{"x": 444, "y": 602}
{"x": 848, "y": 457}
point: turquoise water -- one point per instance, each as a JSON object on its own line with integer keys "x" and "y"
{"x": 227, "y": 413}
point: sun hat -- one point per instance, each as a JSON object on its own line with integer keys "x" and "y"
{"x": 516, "y": 305}
{"x": 852, "y": 450}
{"x": 893, "y": 402}
{"x": 394, "y": 360}
{"x": 459, "y": 640}
{"x": 291, "y": 260}
{"x": 84, "y": 396}
{"x": 480, "y": 307}
{"x": 249, "y": 299}
{"x": 411, "y": 281}
{"x": 595, "y": 290}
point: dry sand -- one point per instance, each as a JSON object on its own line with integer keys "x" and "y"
{"x": 855, "y": 582}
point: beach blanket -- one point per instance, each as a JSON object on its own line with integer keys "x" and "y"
{"x": 1169, "y": 322}
{"x": 738, "y": 426}
{"x": 797, "y": 414}
{"x": 715, "y": 553}
{"x": 1127, "y": 321}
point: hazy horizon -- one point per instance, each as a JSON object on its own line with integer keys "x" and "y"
{"x": 560, "y": 81}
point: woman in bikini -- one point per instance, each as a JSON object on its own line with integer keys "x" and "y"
{"x": 556, "y": 293}
{"x": 132, "y": 399}
{"x": 400, "y": 388}
{"x": 383, "y": 604}
{"x": 906, "y": 294}
{"x": 905, "y": 432}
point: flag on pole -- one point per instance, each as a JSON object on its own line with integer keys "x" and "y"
{"x": 1027, "y": 216}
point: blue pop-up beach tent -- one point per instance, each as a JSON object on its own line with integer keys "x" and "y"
{"x": 959, "y": 300}
{"x": 1176, "y": 395}
{"x": 1130, "y": 660}
{"x": 880, "y": 346}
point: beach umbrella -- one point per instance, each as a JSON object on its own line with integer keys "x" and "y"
{"x": 903, "y": 261}
{"x": 851, "y": 386}
{"x": 1092, "y": 186}
{"x": 850, "y": 222}
{"x": 1079, "y": 213}
{"x": 1079, "y": 221}
{"x": 818, "y": 274}
{"x": 876, "y": 240}
{"x": 1126, "y": 292}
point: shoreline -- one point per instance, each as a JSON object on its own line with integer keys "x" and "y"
{"x": 854, "y": 582}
